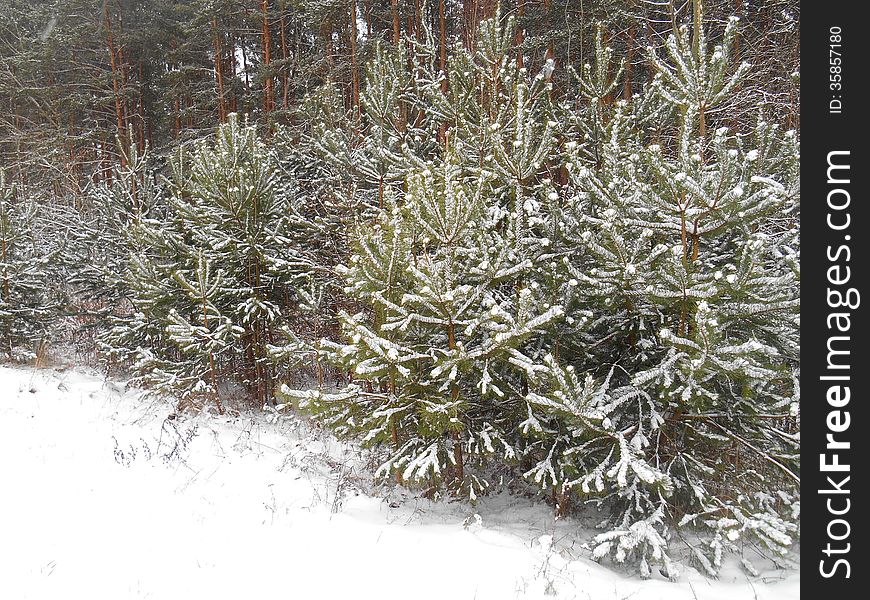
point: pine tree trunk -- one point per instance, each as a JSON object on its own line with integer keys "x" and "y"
{"x": 394, "y": 7}
{"x": 219, "y": 71}
{"x": 469, "y": 18}
{"x": 122, "y": 69}
{"x": 561, "y": 500}
{"x": 697, "y": 23}
{"x": 268, "y": 80}
{"x": 140, "y": 125}
{"x": 353, "y": 59}
{"x": 189, "y": 107}
{"x": 116, "y": 76}
{"x": 229, "y": 60}
{"x": 519, "y": 37}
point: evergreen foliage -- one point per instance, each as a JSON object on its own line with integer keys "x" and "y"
{"x": 26, "y": 306}
{"x": 107, "y": 230}
{"x": 602, "y": 295}
{"x": 221, "y": 273}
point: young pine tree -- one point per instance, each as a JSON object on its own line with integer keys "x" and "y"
{"x": 442, "y": 353}
{"x": 26, "y": 307}
{"x": 103, "y": 239}
{"x": 684, "y": 252}
{"x": 214, "y": 283}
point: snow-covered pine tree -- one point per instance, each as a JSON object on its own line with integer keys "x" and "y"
{"x": 124, "y": 250}
{"x": 214, "y": 283}
{"x": 443, "y": 353}
{"x": 370, "y": 152}
{"x": 439, "y": 353}
{"x": 105, "y": 233}
{"x": 26, "y": 306}
{"x": 380, "y": 155}
{"x": 684, "y": 252}
{"x": 227, "y": 205}
{"x": 201, "y": 333}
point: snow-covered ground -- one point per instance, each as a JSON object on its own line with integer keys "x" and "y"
{"x": 102, "y": 496}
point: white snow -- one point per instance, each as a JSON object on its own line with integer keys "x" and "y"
{"x": 249, "y": 508}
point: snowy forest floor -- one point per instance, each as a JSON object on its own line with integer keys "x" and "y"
{"x": 102, "y": 496}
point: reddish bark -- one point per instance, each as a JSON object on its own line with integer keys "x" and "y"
{"x": 394, "y": 8}
{"x": 519, "y": 37}
{"x": 268, "y": 81}
{"x": 117, "y": 91}
{"x": 219, "y": 71}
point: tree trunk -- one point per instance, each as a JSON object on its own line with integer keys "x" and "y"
{"x": 268, "y": 80}
{"x": 519, "y": 37}
{"x": 140, "y": 125}
{"x": 116, "y": 76}
{"x": 394, "y": 7}
{"x": 188, "y": 103}
{"x": 229, "y": 61}
{"x": 219, "y": 71}
{"x": 354, "y": 90}
{"x": 469, "y": 23}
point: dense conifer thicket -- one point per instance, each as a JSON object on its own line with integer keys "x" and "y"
{"x": 496, "y": 243}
